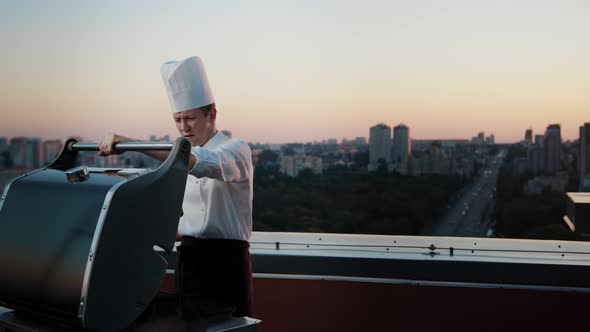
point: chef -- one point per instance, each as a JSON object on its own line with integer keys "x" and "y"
{"x": 214, "y": 268}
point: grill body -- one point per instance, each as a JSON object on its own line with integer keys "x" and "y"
{"x": 82, "y": 252}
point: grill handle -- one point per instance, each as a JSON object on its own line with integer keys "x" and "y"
{"x": 179, "y": 151}
{"x": 122, "y": 147}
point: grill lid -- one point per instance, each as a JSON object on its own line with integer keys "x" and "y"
{"x": 77, "y": 244}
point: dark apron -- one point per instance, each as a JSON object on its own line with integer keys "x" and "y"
{"x": 213, "y": 275}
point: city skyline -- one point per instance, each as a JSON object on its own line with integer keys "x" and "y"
{"x": 322, "y": 140}
{"x": 298, "y": 71}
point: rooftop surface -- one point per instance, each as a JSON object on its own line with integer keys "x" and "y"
{"x": 579, "y": 197}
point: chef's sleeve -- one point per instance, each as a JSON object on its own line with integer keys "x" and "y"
{"x": 229, "y": 162}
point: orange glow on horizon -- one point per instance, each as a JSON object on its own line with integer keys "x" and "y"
{"x": 315, "y": 71}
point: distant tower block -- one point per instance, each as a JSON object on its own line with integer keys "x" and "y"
{"x": 528, "y": 137}
{"x": 552, "y": 149}
{"x": 402, "y": 144}
{"x": 584, "y": 157}
{"x": 379, "y": 145}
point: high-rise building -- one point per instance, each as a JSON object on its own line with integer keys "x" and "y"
{"x": 535, "y": 158}
{"x": 584, "y": 157}
{"x": 491, "y": 140}
{"x": 379, "y": 146}
{"x": 25, "y": 152}
{"x": 528, "y": 137}
{"x": 552, "y": 149}
{"x": 360, "y": 141}
{"x": 479, "y": 139}
{"x": 402, "y": 144}
{"x": 536, "y": 161}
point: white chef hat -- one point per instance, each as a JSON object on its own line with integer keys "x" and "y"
{"x": 186, "y": 84}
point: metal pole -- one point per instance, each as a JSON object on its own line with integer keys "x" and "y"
{"x": 129, "y": 146}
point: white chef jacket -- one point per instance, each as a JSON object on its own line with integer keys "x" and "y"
{"x": 219, "y": 189}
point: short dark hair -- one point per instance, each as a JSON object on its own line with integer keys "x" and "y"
{"x": 207, "y": 109}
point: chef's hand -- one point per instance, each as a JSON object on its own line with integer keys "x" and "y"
{"x": 107, "y": 145}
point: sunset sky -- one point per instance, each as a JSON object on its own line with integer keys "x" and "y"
{"x": 284, "y": 71}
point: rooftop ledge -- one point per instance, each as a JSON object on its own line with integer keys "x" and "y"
{"x": 423, "y": 248}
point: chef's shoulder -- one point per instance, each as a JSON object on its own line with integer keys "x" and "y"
{"x": 237, "y": 146}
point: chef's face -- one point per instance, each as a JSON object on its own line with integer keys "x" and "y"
{"x": 195, "y": 125}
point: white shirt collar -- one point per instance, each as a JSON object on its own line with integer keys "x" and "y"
{"x": 216, "y": 140}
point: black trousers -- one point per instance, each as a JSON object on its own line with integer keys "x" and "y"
{"x": 213, "y": 273}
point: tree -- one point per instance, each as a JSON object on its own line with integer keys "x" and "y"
{"x": 350, "y": 202}
{"x": 267, "y": 156}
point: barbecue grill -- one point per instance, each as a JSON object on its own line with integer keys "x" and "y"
{"x": 78, "y": 244}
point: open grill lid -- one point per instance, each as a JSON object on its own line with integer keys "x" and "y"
{"x": 77, "y": 245}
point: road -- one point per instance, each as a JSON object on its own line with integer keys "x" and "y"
{"x": 470, "y": 216}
